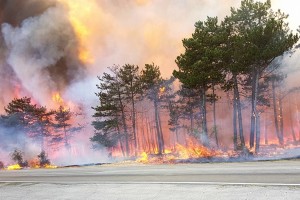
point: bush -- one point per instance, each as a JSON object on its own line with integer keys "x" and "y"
{"x": 1, "y": 165}
{"x": 17, "y": 156}
{"x": 43, "y": 159}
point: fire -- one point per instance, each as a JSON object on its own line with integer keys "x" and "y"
{"x": 162, "y": 89}
{"x": 14, "y": 167}
{"x": 57, "y": 98}
{"x": 179, "y": 152}
{"x": 50, "y": 166}
{"x": 79, "y": 12}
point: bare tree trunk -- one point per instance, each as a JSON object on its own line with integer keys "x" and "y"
{"x": 205, "y": 138}
{"x": 281, "y": 116}
{"x": 120, "y": 140}
{"x": 237, "y": 101}
{"x": 276, "y": 114}
{"x": 235, "y": 144}
{"x": 214, "y": 116}
{"x": 253, "y": 107}
{"x": 266, "y": 130}
{"x": 291, "y": 122}
{"x": 124, "y": 125}
{"x": 158, "y": 133}
{"x": 257, "y": 142}
{"x": 134, "y": 123}
{"x": 161, "y": 132}
{"x": 298, "y": 118}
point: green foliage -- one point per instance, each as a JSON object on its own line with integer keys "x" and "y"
{"x": 200, "y": 65}
{"x": 27, "y": 117}
{"x": 63, "y": 126}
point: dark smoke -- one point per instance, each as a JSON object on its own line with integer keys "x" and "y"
{"x": 38, "y": 50}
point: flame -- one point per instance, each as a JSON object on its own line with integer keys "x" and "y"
{"x": 57, "y": 98}
{"x": 79, "y": 12}
{"x": 180, "y": 152}
{"x": 143, "y": 158}
{"x": 50, "y": 166}
{"x": 14, "y": 167}
{"x": 35, "y": 164}
{"x": 162, "y": 89}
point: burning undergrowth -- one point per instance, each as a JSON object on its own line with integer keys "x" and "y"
{"x": 52, "y": 50}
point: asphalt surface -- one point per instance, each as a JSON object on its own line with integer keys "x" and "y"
{"x": 270, "y": 180}
{"x": 247, "y": 173}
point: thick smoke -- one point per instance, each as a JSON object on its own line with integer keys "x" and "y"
{"x": 37, "y": 48}
{"x": 39, "y": 45}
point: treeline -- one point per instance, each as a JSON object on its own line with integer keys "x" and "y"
{"x": 23, "y": 119}
{"x": 239, "y": 56}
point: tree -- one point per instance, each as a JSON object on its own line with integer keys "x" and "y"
{"x": 110, "y": 123}
{"x": 18, "y": 156}
{"x": 130, "y": 81}
{"x": 63, "y": 125}
{"x": 43, "y": 159}
{"x": 199, "y": 67}
{"x": 28, "y": 118}
{"x": 155, "y": 86}
{"x": 266, "y": 35}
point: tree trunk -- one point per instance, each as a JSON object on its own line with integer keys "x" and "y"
{"x": 257, "y": 142}
{"x": 253, "y": 106}
{"x": 235, "y": 144}
{"x": 205, "y": 138}
{"x": 158, "y": 133}
{"x": 124, "y": 125}
{"x": 281, "y": 117}
{"x": 134, "y": 123}
{"x": 239, "y": 110}
{"x": 266, "y": 130}
{"x": 214, "y": 116}
{"x": 120, "y": 140}
{"x": 161, "y": 132}
{"x": 292, "y": 122}
{"x": 276, "y": 114}
{"x": 298, "y": 118}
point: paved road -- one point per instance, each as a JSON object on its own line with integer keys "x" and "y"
{"x": 252, "y": 180}
{"x": 269, "y": 173}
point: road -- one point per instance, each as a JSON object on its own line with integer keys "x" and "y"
{"x": 275, "y": 179}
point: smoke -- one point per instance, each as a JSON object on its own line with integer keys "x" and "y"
{"x": 35, "y": 50}
{"x": 49, "y": 46}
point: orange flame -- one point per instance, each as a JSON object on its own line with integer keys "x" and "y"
{"x": 180, "y": 152}
{"x": 79, "y": 12}
{"x": 57, "y": 98}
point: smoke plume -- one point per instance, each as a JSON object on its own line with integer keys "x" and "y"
{"x": 49, "y": 46}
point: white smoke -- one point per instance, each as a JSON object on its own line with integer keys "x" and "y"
{"x": 37, "y": 44}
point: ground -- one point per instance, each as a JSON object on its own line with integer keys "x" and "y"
{"x": 244, "y": 180}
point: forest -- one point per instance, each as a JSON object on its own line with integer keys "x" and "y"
{"x": 228, "y": 92}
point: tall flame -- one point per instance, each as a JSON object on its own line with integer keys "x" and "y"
{"x": 57, "y": 98}
{"x": 79, "y": 12}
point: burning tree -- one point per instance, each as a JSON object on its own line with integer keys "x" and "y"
{"x": 131, "y": 84}
{"x": 266, "y": 36}
{"x": 110, "y": 114}
{"x": 64, "y": 126}
{"x": 28, "y": 118}
{"x": 199, "y": 67}
{"x": 18, "y": 156}
{"x": 1, "y": 165}
{"x": 156, "y": 89}
{"x": 43, "y": 159}
{"x": 240, "y": 48}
